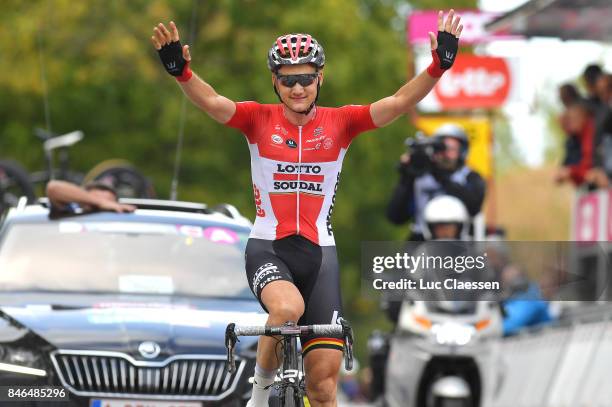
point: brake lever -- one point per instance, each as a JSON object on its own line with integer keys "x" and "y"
{"x": 230, "y": 343}
{"x": 347, "y": 332}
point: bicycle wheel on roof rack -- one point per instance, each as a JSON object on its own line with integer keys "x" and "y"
{"x": 128, "y": 181}
{"x": 14, "y": 183}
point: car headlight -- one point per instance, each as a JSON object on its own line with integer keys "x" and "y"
{"x": 19, "y": 360}
{"x": 452, "y": 333}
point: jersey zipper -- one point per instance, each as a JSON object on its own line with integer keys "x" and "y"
{"x": 297, "y": 219}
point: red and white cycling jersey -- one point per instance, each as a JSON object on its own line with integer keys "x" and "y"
{"x": 296, "y": 169}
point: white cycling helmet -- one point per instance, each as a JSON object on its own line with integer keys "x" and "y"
{"x": 445, "y": 209}
{"x": 295, "y": 49}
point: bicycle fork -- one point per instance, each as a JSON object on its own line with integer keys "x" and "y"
{"x": 290, "y": 372}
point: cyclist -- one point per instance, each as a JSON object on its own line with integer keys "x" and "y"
{"x": 296, "y": 154}
{"x": 67, "y": 198}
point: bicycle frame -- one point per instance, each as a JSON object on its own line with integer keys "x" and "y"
{"x": 290, "y": 374}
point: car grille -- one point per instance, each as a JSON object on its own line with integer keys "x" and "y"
{"x": 198, "y": 377}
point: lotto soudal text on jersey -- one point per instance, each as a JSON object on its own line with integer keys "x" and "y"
{"x": 296, "y": 169}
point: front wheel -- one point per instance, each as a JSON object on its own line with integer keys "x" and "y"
{"x": 291, "y": 398}
{"x": 14, "y": 183}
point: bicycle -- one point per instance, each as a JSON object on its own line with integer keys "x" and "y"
{"x": 120, "y": 174}
{"x": 61, "y": 143}
{"x": 291, "y": 387}
{"x": 15, "y": 181}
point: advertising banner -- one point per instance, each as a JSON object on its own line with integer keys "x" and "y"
{"x": 419, "y": 23}
{"x": 478, "y": 130}
{"x": 474, "y": 82}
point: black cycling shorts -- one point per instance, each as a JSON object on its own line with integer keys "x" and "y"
{"x": 313, "y": 269}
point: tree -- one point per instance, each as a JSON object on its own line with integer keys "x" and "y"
{"x": 103, "y": 77}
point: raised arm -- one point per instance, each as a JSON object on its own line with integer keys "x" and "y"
{"x": 61, "y": 193}
{"x": 176, "y": 60}
{"x": 443, "y": 50}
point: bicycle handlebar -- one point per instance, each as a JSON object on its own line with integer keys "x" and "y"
{"x": 341, "y": 330}
{"x": 329, "y": 329}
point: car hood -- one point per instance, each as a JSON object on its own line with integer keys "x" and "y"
{"x": 193, "y": 327}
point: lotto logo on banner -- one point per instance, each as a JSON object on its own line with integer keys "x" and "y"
{"x": 474, "y": 82}
{"x": 587, "y": 218}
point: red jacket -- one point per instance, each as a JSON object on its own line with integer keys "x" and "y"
{"x": 586, "y": 137}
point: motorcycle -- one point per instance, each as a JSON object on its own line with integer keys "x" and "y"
{"x": 440, "y": 355}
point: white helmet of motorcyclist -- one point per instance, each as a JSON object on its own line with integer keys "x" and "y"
{"x": 445, "y": 217}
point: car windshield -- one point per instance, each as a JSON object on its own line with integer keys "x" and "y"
{"x": 124, "y": 257}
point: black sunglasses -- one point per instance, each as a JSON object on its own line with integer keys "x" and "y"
{"x": 304, "y": 79}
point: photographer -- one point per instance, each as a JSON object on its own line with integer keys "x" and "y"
{"x": 434, "y": 166}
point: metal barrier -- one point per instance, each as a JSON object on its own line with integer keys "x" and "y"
{"x": 565, "y": 365}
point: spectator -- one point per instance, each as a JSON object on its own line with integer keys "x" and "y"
{"x": 569, "y": 95}
{"x": 590, "y": 76}
{"x": 445, "y": 218}
{"x": 578, "y": 163}
{"x": 67, "y": 198}
{"x": 603, "y": 125}
{"x": 524, "y": 305}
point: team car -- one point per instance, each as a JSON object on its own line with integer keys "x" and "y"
{"x": 126, "y": 309}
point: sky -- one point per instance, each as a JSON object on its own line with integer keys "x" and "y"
{"x": 543, "y": 65}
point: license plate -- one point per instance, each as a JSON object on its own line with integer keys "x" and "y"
{"x": 142, "y": 403}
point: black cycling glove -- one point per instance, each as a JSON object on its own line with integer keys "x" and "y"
{"x": 443, "y": 56}
{"x": 171, "y": 56}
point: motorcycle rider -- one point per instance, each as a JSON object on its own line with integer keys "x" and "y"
{"x": 445, "y": 218}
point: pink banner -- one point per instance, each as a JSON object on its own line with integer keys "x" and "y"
{"x": 419, "y": 23}
{"x": 587, "y": 218}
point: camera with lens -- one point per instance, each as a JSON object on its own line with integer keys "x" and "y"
{"x": 421, "y": 150}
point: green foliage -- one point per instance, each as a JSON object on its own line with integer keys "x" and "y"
{"x": 507, "y": 155}
{"x": 104, "y": 77}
